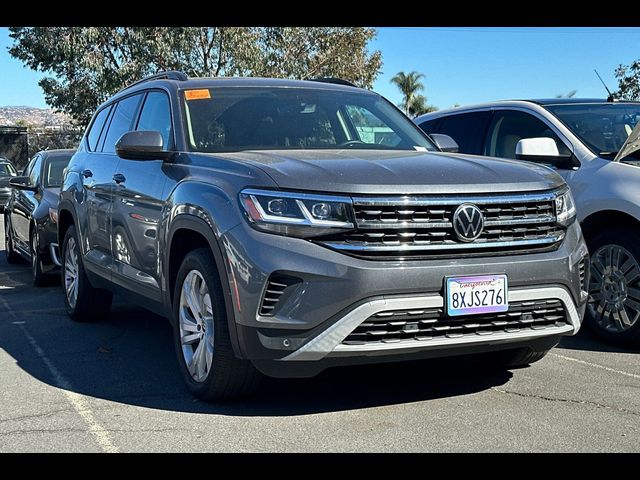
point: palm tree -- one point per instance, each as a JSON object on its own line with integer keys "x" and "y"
{"x": 413, "y": 103}
{"x": 571, "y": 94}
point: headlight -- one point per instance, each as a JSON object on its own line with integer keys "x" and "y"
{"x": 565, "y": 208}
{"x": 296, "y": 214}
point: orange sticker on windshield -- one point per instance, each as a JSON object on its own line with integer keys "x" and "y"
{"x": 197, "y": 94}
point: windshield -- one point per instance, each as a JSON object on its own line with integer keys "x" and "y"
{"x": 602, "y": 127}
{"x": 7, "y": 170}
{"x": 53, "y": 170}
{"x": 246, "y": 118}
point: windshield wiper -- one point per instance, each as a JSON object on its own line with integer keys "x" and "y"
{"x": 608, "y": 154}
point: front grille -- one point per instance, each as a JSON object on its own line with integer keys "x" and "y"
{"x": 430, "y": 323}
{"x": 276, "y": 287}
{"x": 414, "y": 226}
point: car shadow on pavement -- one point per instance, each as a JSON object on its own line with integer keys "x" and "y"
{"x": 587, "y": 341}
{"x": 129, "y": 358}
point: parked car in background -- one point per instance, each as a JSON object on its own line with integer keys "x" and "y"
{"x": 289, "y": 226}
{"x": 593, "y": 145}
{"x": 7, "y": 172}
{"x": 30, "y": 218}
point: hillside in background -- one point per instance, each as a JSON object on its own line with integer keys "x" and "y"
{"x": 38, "y": 117}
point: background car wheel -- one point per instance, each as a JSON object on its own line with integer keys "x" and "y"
{"x": 82, "y": 301}
{"x": 613, "y": 308}
{"x": 11, "y": 254}
{"x": 39, "y": 277}
{"x": 201, "y": 333}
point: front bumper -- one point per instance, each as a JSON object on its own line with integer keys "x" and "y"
{"x": 336, "y": 293}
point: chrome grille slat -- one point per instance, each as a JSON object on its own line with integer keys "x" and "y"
{"x": 434, "y": 323}
{"x": 419, "y": 225}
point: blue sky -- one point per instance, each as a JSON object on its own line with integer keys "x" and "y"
{"x": 462, "y": 64}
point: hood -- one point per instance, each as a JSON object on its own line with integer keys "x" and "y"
{"x": 631, "y": 145}
{"x": 393, "y": 172}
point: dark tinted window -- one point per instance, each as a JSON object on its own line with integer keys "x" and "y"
{"x": 121, "y": 121}
{"x": 53, "y": 169}
{"x": 96, "y": 127}
{"x": 34, "y": 173}
{"x": 229, "y": 119}
{"x": 509, "y": 127}
{"x": 156, "y": 115}
{"x": 467, "y": 129}
{"x": 429, "y": 125}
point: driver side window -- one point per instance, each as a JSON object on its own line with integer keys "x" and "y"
{"x": 508, "y": 127}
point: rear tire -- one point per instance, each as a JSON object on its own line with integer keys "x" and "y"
{"x": 12, "y": 256}
{"x": 39, "y": 277}
{"x": 613, "y": 308}
{"x": 82, "y": 301}
{"x": 201, "y": 334}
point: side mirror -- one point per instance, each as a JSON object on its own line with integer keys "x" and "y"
{"x": 444, "y": 142}
{"x": 23, "y": 183}
{"x": 141, "y": 145}
{"x": 544, "y": 150}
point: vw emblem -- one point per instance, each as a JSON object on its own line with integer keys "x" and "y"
{"x": 468, "y": 222}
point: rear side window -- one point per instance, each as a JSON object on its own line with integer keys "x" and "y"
{"x": 156, "y": 115}
{"x": 467, "y": 129}
{"x": 121, "y": 121}
{"x": 96, "y": 128}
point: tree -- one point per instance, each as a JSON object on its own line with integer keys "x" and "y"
{"x": 570, "y": 94}
{"x": 86, "y": 65}
{"x": 628, "y": 81}
{"x": 413, "y": 103}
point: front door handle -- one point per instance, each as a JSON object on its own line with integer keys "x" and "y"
{"x": 119, "y": 178}
{"x": 87, "y": 173}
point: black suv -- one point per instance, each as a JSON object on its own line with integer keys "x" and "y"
{"x": 288, "y": 226}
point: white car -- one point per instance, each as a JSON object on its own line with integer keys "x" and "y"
{"x": 583, "y": 140}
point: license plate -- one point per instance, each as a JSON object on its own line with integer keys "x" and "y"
{"x": 476, "y": 295}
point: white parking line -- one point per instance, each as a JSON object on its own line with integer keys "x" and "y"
{"x": 78, "y": 401}
{"x": 595, "y": 365}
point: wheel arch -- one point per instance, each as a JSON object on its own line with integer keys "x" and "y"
{"x": 186, "y": 233}
{"x": 607, "y": 218}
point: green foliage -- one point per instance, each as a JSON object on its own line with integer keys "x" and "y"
{"x": 413, "y": 103}
{"x": 628, "y": 81}
{"x": 86, "y": 65}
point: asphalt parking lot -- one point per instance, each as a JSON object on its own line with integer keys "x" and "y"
{"x": 114, "y": 386}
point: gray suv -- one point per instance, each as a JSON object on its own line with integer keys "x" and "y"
{"x": 289, "y": 226}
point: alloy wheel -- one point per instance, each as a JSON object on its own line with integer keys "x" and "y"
{"x": 196, "y": 326}
{"x": 614, "y": 289}
{"x": 71, "y": 272}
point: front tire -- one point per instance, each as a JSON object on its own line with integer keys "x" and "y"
{"x": 613, "y": 308}
{"x": 201, "y": 334}
{"x": 82, "y": 301}
{"x": 39, "y": 277}
{"x": 12, "y": 256}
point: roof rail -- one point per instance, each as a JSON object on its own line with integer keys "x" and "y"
{"x": 169, "y": 75}
{"x": 338, "y": 81}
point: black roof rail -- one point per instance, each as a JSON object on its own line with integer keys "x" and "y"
{"x": 337, "y": 81}
{"x": 168, "y": 74}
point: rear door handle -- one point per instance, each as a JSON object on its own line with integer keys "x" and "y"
{"x": 119, "y": 178}
{"x": 87, "y": 173}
